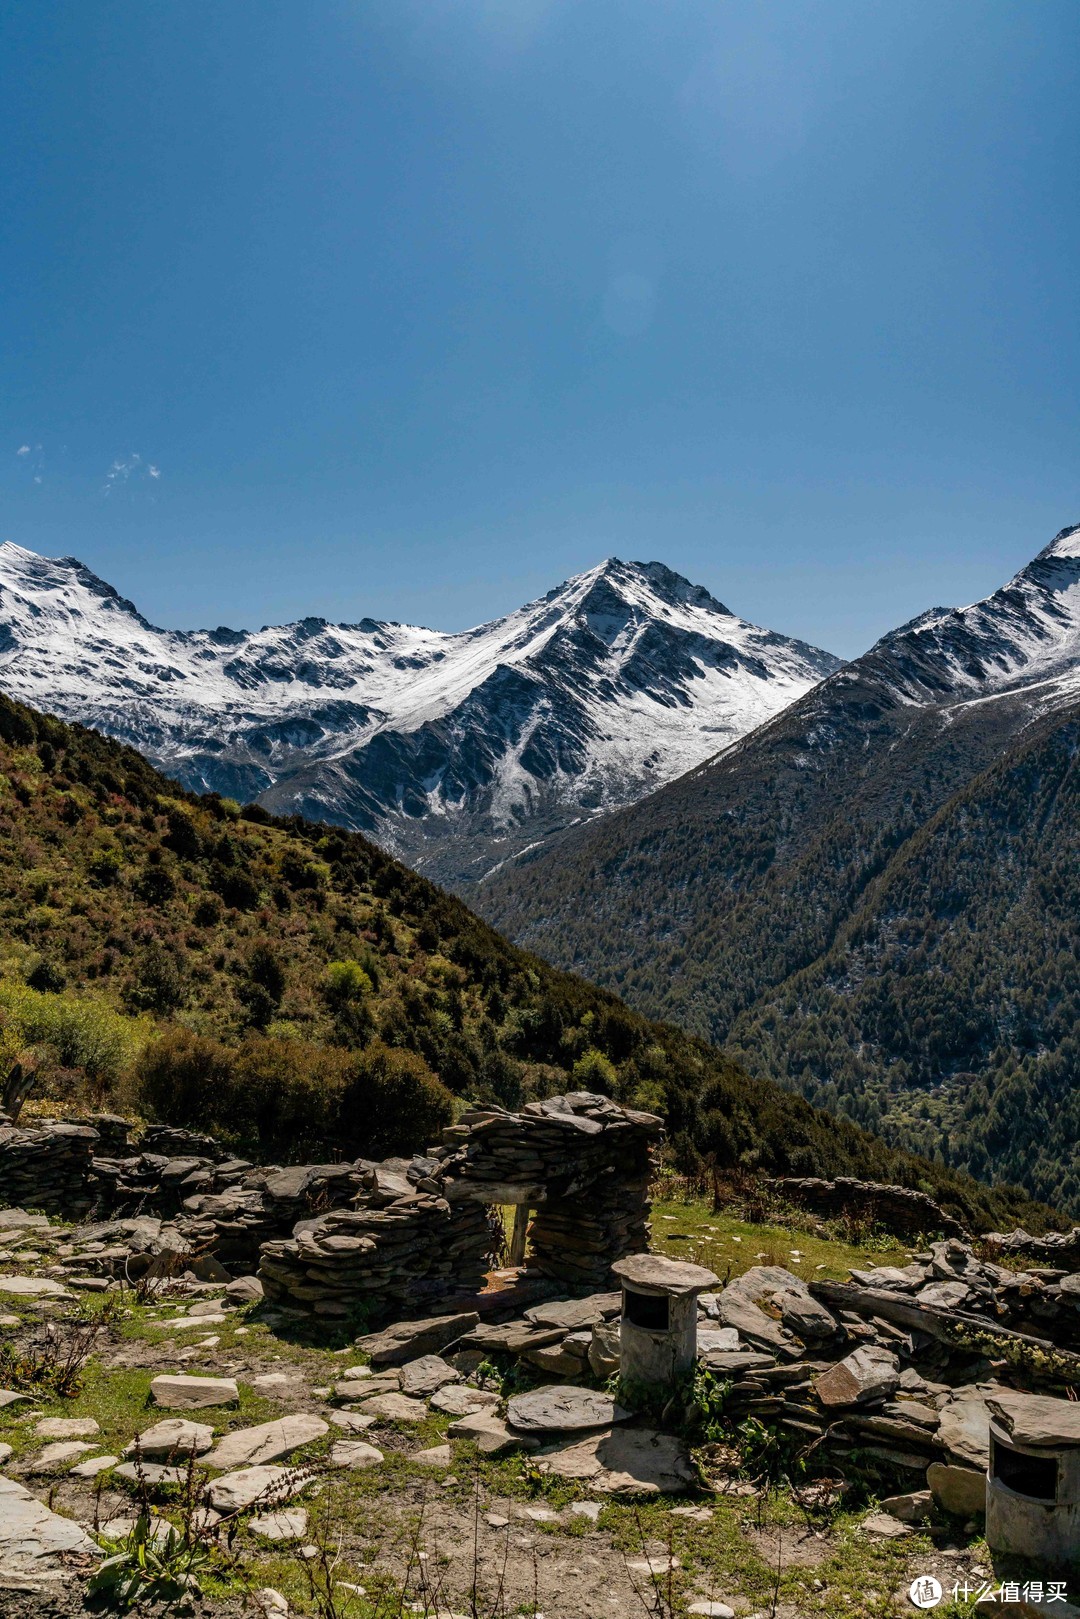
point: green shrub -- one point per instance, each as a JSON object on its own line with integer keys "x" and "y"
{"x": 393, "y": 1102}
{"x": 594, "y": 1072}
{"x": 346, "y": 982}
{"x": 82, "y": 1032}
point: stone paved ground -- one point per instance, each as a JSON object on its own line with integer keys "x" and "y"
{"x": 416, "y": 1507}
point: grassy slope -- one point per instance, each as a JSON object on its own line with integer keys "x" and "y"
{"x": 168, "y": 907}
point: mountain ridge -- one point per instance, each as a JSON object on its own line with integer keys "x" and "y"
{"x": 454, "y": 749}
{"x": 725, "y": 888}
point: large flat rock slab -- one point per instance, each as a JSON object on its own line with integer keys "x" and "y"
{"x": 459, "y": 1400}
{"x": 186, "y": 1393}
{"x": 34, "y": 1287}
{"x": 562, "y": 1408}
{"x": 19, "y": 1220}
{"x": 406, "y": 1340}
{"x": 427, "y": 1376}
{"x": 1034, "y": 1419}
{"x": 174, "y": 1436}
{"x": 395, "y": 1408}
{"x": 34, "y": 1540}
{"x": 659, "y": 1274}
{"x": 355, "y": 1454}
{"x": 964, "y": 1429}
{"x": 624, "y": 1461}
{"x": 266, "y": 1486}
{"x": 268, "y": 1442}
{"x": 572, "y": 1314}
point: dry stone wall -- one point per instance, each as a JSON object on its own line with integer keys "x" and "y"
{"x": 47, "y": 1168}
{"x": 421, "y": 1229}
{"x": 583, "y": 1162}
{"x": 898, "y": 1209}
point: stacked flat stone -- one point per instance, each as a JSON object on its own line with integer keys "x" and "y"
{"x": 391, "y": 1259}
{"x": 47, "y": 1168}
{"x": 898, "y": 1209}
{"x": 170, "y": 1142}
{"x": 1058, "y": 1248}
{"x": 113, "y": 1133}
{"x": 236, "y": 1219}
{"x": 582, "y": 1161}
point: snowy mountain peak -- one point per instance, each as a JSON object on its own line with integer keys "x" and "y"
{"x": 454, "y": 749}
{"x": 1025, "y": 637}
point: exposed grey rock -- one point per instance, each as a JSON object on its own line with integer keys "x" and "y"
{"x": 716, "y": 1338}
{"x": 55, "y": 1455}
{"x": 270, "y": 1604}
{"x": 395, "y": 1408}
{"x": 1032, "y": 1419}
{"x": 751, "y": 1323}
{"x": 913, "y": 1507}
{"x": 624, "y": 1461}
{"x": 151, "y": 1474}
{"x": 267, "y": 1486}
{"x": 274, "y": 1384}
{"x": 354, "y": 1454}
{"x": 427, "y": 1375}
{"x": 959, "y": 1490}
{"x": 66, "y": 1428}
{"x": 458, "y": 1400}
{"x": 33, "y": 1539}
{"x": 571, "y": 1314}
{"x": 964, "y": 1430}
{"x": 93, "y": 1466}
{"x": 158, "y": 1529}
{"x": 288, "y": 1525}
{"x": 561, "y": 1408}
{"x": 654, "y": 1271}
{"x": 490, "y": 1434}
{"x": 33, "y": 1287}
{"x": 351, "y": 1421}
{"x": 604, "y": 1349}
{"x": 868, "y": 1373}
{"x": 884, "y": 1526}
{"x": 556, "y": 1360}
{"x": 19, "y": 1220}
{"x": 173, "y": 1436}
{"x": 267, "y": 1442}
{"x": 244, "y": 1290}
{"x": 407, "y": 1340}
{"x": 189, "y": 1393}
{"x": 433, "y": 1456}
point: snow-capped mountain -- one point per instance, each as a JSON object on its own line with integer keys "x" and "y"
{"x": 1027, "y": 634}
{"x": 454, "y": 750}
{"x": 794, "y": 819}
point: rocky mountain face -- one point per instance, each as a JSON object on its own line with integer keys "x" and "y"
{"x": 874, "y": 895}
{"x": 455, "y": 751}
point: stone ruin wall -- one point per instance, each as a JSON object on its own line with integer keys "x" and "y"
{"x": 581, "y": 1161}
{"x": 334, "y": 1238}
{"x": 899, "y": 1209}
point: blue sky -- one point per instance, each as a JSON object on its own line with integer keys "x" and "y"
{"x": 413, "y": 308}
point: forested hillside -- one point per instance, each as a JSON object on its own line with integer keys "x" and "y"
{"x": 295, "y": 988}
{"x": 873, "y": 900}
{"x": 947, "y": 1013}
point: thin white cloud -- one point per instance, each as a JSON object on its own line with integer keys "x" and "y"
{"x": 129, "y": 473}
{"x": 24, "y": 449}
